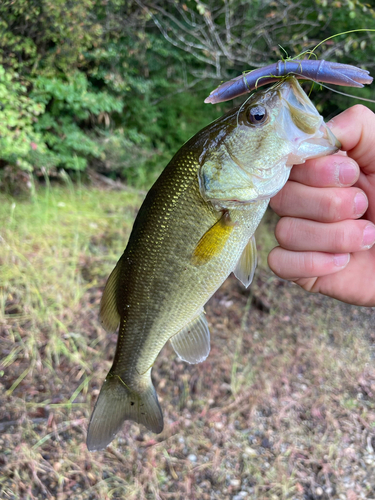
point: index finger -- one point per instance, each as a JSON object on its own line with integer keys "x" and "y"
{"x": 337, "y": 170}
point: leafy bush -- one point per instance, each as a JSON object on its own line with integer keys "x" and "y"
{"x": 119, "y": 86}
{"x": 18, "y": 138}
{"x": 71, "y": 108}
{"x": 46, "y": 128}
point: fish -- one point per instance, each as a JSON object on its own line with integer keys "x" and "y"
{"x": 195, "y": 227}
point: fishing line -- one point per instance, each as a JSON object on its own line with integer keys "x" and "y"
{"x": 338, "y": 34}
{"x": 343, "y": 93}
{"x": 242, "y": 105}
{"x": 312, "y": 52}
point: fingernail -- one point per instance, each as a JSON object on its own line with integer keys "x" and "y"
{"x": 341, "y": 259}
{"x": 360, "y": 203}
{"x": 368, "y": 236}
{"x": 348, "y": 173}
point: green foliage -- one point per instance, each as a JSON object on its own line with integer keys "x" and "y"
{"x": 47, "y": 36}
{"x": 70, "y": 106}
{"x": 119, "y": 86}
{"x": 50, "y": 98}
{"x": 18, "y": 137}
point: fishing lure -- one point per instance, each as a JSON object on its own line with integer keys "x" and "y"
{"x": 307, "y": 69}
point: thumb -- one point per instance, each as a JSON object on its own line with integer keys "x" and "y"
{"x": 355, "y": 129}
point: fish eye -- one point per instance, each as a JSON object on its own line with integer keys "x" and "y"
{"x": 257, "y": 115}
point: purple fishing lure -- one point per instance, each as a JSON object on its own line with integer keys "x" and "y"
{"x": 308, "y": 69}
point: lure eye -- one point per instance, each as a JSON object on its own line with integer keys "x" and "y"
{"x": 257, "y": 115}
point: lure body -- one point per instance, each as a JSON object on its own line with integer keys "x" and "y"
{"x": 308, "y": 69}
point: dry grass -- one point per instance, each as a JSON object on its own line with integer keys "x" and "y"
{"x": 282, "y": 408}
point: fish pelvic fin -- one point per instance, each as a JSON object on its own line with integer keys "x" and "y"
{"x": 117, "y": 403}
{"x": 245, "y": 268}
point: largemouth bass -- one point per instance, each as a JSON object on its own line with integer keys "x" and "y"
{"x": 196, "y": 226}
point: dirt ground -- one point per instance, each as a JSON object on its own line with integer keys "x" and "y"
{"x": 283, "y": 407}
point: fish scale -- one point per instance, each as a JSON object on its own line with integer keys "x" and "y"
{"x": 195, "y": 226}
{"x": 148, "y": 257}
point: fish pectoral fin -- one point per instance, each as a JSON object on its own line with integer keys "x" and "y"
{"x": 192, "y": 343}
{"x": 213, "y": 240}
{"x": 116, "y": 403}
{"x": 108, "y": 315}
{"x": 245, "y": 268}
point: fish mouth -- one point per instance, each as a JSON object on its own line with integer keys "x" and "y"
{"x": 324, "y": 137}
{"x": 322, "y": 143}
{"x": 304, "y": 127}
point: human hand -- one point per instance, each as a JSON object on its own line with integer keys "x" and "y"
{"x": 327, "y": 210}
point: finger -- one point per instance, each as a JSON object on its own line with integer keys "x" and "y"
{"x": 331, "y": 171}
{"x": 350, "y": 284}
{"x": 337, "y": 237}
{"x": 355, "y": 128}
{"x": 296, "y": 265}
{"x": 319, "y": 204}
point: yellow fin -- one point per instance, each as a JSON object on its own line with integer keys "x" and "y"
{"x": 245, "y": 268}
{"x": 192, "y": 343}
{"x": 213, "y": 240}
{"x": 108, "y": 314}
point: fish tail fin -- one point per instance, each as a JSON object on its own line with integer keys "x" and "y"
{"x": 116, "y": 403}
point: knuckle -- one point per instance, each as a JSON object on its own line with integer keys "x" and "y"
{"x": 332, "y": 207}
{"x": 359, "y": 110}
{"x": 340, "y": 241}
{"x": 308, "y": 263}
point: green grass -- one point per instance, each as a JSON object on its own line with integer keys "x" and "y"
{"x": 56, "y": 251}
{"x": 283, "y": 408}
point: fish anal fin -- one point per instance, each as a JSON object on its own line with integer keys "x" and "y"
{"x": 192, "y": 343}
{"x": 108, "y": 314}
{"x": 245, "y": 268}
{"x": 117, "y": 403}
{"x": 213, "y": 240}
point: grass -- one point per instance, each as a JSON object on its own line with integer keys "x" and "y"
{"x": 282, "y": 408}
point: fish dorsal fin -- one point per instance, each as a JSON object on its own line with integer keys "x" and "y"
{"x": 245, "y": 268}
{"x": 192, "y": 343}
{"x": 213, "y": 240}
{"x": 108, "y": 315}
